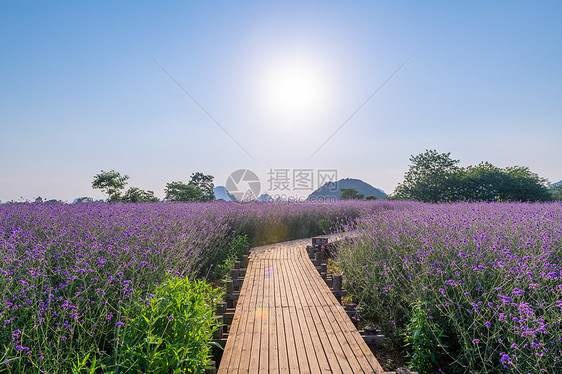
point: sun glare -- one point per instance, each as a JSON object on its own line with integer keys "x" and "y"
{"x": 294, "y": 88}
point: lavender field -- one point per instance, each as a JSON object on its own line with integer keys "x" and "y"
{"x": 486, "y": 276}
{"x": 481, "y": 281}
{"x": 69, "y": 272}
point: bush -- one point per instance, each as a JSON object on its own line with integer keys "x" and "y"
{"x": 170, "y": 333}
{"x": 423, "y": 338}
{"x": 225, "y": 259}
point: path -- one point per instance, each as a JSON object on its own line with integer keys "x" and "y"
{"x": 288, "y": 321}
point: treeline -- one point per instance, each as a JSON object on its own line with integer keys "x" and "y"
{"x": 112, "y": 183}
{"x": 436, "y": 177}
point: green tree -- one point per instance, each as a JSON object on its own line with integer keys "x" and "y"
{"x": 556, "y": 192}
{"x": 111, "y": 183}
{"x": 179, "y": 191}
{"x": 199, "y": 188}
{"x": 432, "y": 177}
{"x": 84, "y": 199}
{"x": 524, "y": 185}
{"x": 484, "y": 182}
{"x": 205, "y": 184}
{"x": 136, "y": 195}
{"x": 350, "y": 194}
{"x": 371, "y": 197}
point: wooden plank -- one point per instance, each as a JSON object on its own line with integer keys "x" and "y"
{"x": 235, "y": 330}
{"x": 318, "y": 359}
{"x": 346, "y": 358}
{"x": 287, "y": 350}
{"x": 232, "y": 351}
{"x": 272, "y": 310}
{"x": 288, "y": 321}
{"x": 265, "y": 315}
{"x": 255, "y": 339}
{"x": 320, "y": 323}
{"x": 337, "y": 359}
{"x": 245, "y": 343}
{"x": 304, "y": 347}
{"x": 353, "y": 339}
{"x": 297, "y": 358}
{"x": 278, "y": 356}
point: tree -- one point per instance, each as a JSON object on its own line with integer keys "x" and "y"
{"x": 205, "y": 184}
{"x": 371, "y": 197}
{"x": 556, "y": 192}
{"x": 179, "y": 191}
{"x": 84, "y": 199}
{"x": 524, "y": 185}
{"x": 111, "y": 183}
{"x": 431, "y": 177}
{"x": 484, "y": 182}
{"x": 136, "y": 195}
{"x": 199, "y": 188}
{"x": 436, "y": 177}
{"x": 350, "y": 194}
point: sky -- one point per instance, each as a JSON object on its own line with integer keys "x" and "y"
{"x": 158, "y": 91}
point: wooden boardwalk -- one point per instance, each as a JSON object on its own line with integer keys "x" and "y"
{"x": 288, "y": 321}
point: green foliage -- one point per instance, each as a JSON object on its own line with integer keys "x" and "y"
{"x": 84, "y": 200}
{"x": 350, "y": 194}
{"x": 205, "y": 184}
{"x": 179, "y": 191}
{"x": 430, "y": 177}
{"x": 226, "y": 258}
{"x": 524, "y": 185}
{"x": 136, "y": 195}
{"x": 80, "y": 366}
{"x": 556, "y": 192}
{"x": 482, "y": 182}
{"x": 423, "y": 339}
{"x": 111, "y": 183}
{"x": 371, "y": 197}
{"x": 435, "y": 177}
{"x": 172, "y": 333}
{"x": 199, "y": 188}
{"x": 324, "y": 226}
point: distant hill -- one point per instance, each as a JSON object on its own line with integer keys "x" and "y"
{"x": 266, "y": 197}
{"x": 555, "y": 184}
{"x": 221, "y": 193}
{"x": 331, "y": 190}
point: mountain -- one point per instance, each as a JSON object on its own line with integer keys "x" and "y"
{"x": 268, "y": 198}
{"x": 555, "y": 184}
{"x": 331, "y": 190}
{"x": 221, "y": 193}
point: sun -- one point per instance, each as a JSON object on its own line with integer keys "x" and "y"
{"x": 295, "y": 88}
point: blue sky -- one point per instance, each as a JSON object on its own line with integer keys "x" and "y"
{"x": 80, "y": 90}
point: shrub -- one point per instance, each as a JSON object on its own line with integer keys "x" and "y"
{"x": 423, "y": 338}
{"x": 171, "y": 332}
{"x": 226, "y": 258}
